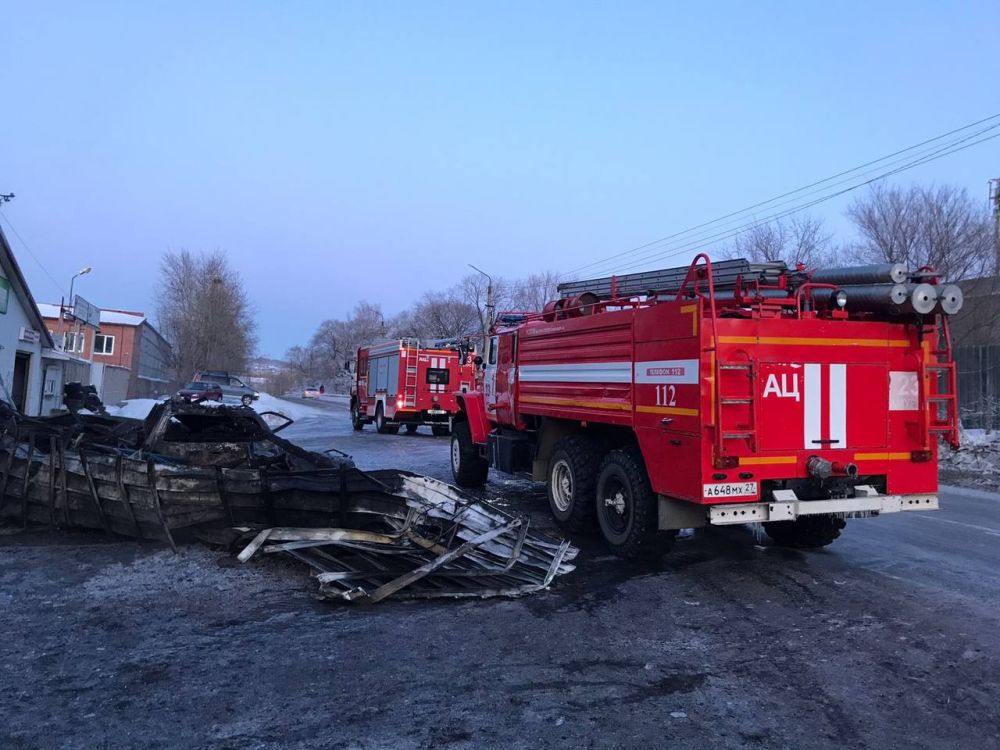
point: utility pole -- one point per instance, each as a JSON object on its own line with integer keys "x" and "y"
{"x": 489, "y": 310}
{"x": 995, "y": 204}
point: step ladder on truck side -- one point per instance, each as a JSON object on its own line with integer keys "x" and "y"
{"x": 938, "y": 381}
{"x": 734, "y": 413}
{"x": 411, "y": 351}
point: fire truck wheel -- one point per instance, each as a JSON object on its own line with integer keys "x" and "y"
{"x": 382, "y": 425}
{"x": 411, "y": 429}
{"x": 806, "y": 532}
{"x": 627, "y": 509}
{"x": 572, "y": 483}
{"x": 356, "y": 422}
{"x": 440, "y": 430}
{"x": 467, "y": 466}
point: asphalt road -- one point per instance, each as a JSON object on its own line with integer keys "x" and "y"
{"x": 889, "y": 638}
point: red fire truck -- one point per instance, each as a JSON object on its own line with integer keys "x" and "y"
{"x": 720, "y": 393}
{"x": 402, "y": 382}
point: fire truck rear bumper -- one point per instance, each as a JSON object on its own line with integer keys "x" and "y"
{"x": 787, "y": 507}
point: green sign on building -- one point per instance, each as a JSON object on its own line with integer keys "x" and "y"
{"x": 4, "y": 294}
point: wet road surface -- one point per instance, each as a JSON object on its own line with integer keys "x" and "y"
{"x": 886, "y": 639}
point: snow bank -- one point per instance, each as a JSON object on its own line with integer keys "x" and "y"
{"x": 292, "y": 410}
{"x": 139, "y": 408}
{"x": 976, "y": 463}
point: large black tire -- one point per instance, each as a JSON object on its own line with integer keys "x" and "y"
{"x": 572, "y": 483}
{"x": 356, "y": 422}
{"x": 627, "y": 511}
{"x": 382, "y": 425}
{"x": 411, "y": 429}
{"x": 807, "y": 532}
{"x": 440, "y": 430}
{"x": 467, "y": 466}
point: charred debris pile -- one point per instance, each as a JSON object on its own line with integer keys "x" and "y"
{"x": 223, "y": 473}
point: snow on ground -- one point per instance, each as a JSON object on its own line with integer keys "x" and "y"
{"x": 292, "y": 410}
{"x": 976, "y": 463}
{"x": 139, "y": 408}
{"x": 136, "y": 408}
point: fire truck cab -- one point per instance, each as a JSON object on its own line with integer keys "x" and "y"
{"x": 719, "y": 394}
{"x": 403, "y": 383}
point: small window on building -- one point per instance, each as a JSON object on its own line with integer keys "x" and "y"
{"x": 104, "y": 344}
{"x": 74, "y": 342}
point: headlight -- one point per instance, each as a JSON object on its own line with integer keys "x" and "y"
{"x": 256, "y": 394}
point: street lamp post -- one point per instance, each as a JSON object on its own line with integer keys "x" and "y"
{"x": 82, "y": 272}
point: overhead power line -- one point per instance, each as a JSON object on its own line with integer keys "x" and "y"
{"x": 915, "y": 152}
{"x": 676, "y": 249}
{"x": 707, "y": 235}
{"x": 31, "y": 252}
{"x": 688, "y": 245}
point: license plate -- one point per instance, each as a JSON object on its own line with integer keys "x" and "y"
{"x": 731, "y": 489}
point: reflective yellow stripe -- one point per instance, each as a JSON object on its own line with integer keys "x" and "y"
{"x": 757, "y": 460}
{"x": 677, "y": 410}
{"x": 803, "y": 341}
{"x": 881, "y": 456}
{"x": 711, "y": 386}
{"x": 693, "y": 309}
{"x": 573, "y": 402}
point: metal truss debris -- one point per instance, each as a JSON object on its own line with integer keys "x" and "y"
{"x": 206, "y": 471}
{"x": 436, "y": 544}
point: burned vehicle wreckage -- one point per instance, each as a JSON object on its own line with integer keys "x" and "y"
{"x": 222, "y": 473}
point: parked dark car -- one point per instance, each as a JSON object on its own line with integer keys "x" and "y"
{"x": 232, "y": 387}
{"x": 200, "y": 390}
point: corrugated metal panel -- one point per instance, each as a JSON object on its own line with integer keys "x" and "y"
{"x": 978, "y": 370}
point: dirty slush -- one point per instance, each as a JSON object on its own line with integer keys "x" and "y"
{"x": 115, "y": 643}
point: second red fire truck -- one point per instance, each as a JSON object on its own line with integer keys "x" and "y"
{"x": 720, "y": 394}
{"x": 403, "y": 383}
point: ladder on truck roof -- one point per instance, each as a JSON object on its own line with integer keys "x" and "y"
{"x": 671, "y": 280}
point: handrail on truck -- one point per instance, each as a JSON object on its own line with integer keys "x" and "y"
{"x": 693, "y": 275}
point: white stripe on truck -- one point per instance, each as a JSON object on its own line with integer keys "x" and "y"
{"x": 838, "y": 406}
{"x": 812, "y": 392}
{"x": 590, "y": 372}
{"x": 677, "y": 371}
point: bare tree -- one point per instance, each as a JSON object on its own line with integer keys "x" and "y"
{"x": 800, "y": 240}
{"x": 303, "y": 362}
{"x": 938, "y": 226}
{"x": 473, "y": 288}
{"x": 532, "y": 292}
{"x": 336, "y": 341}
{"x": 205, "y": 312}
{"x": 445, "y": 315}
{"x": 455, "y": 313}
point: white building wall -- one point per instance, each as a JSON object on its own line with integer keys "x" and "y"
{"x": 11, "y": 323}
{"x": 52, "y": 383}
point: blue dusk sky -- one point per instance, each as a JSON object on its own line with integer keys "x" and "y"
{"x": 345, "y": 151}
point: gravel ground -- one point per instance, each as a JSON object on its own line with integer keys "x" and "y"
{"x": 886, "y": 639}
